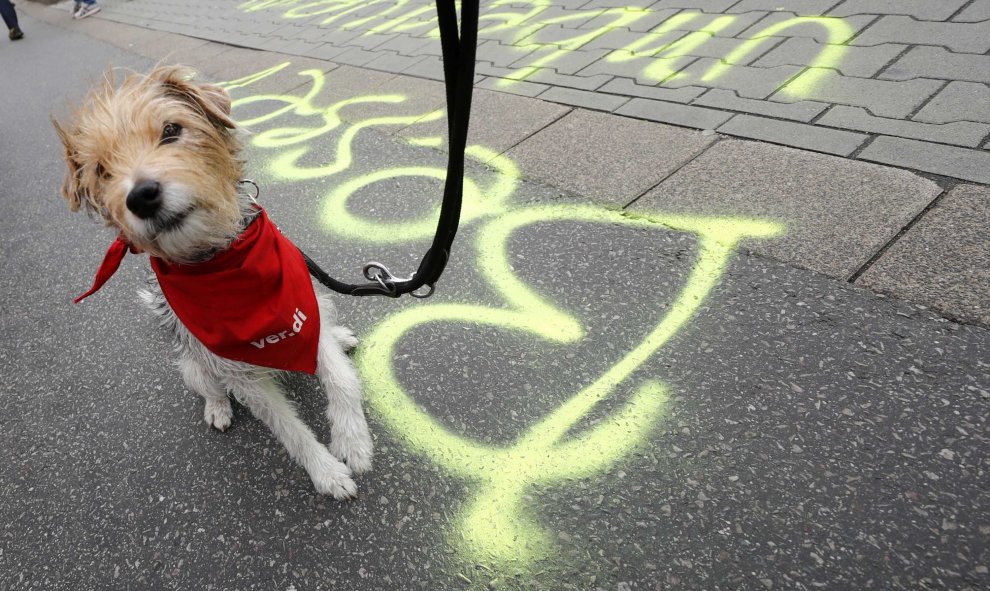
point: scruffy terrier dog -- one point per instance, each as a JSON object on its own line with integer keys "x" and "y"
{"x": 156, "y": 158}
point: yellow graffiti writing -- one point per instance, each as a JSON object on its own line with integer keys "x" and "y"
{"x": 521, "y": 20}
{"x": 494, "y": 526}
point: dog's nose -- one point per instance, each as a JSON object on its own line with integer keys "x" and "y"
{"x": 145, "y": 199}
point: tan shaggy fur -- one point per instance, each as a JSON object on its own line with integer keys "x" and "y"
{"x": 115, "y": 142}
{"x": 156, "y": 157}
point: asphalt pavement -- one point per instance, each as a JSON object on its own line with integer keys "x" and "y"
{"x": 617, "y": 386}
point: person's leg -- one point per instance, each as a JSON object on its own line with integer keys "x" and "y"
{"x": 8, "y": 14}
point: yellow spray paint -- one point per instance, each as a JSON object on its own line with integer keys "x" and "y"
{"x": 620, "y": 17}
{"x": 667, "y": 55}
{"x": 495, "y": 525}
{"x": 829, "y": 57}
{"x": 522, "y": 18}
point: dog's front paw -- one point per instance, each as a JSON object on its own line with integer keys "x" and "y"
{"x": 356, "y": 451}
{"x": 332, "y": 477}
{"x": 345, "y": 336}
{"x": 218, "y": 413}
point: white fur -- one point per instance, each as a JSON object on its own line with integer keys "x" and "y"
{"x": 257, "y": 388}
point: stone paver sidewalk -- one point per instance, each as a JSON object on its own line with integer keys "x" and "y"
{"x": 879, "y": 81}
{"x": 843, "y": 216}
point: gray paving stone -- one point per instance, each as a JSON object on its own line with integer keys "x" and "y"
{"x": 371, "y": 41}
{"x": 664, "y": 112}
{"x": 728, "y": 99}
{"x": 279, "y": 29}
{"x": 270, "y": 44}
{"x": 583, "y": 98}
{"x": 978, "y": 11}
{"x": 837, "y": 213}
{"x": 429, "y": 67}
{"x": 863, "y": 62}
{"x": 883, "y": 98}
{"x": 628, "y": 87}
{"x": 299, "y": 47}
{"x": 960, "y": 163}
{"x": 420, "y": 97}
{"x": 645, "y": 70}
{"x": 355, "y": 56}
{"x": 563, "y": 62}
{"x": 326, "y": 51}
{"x": 506, "y": 36}
{"x": 646, "y": 20}
{"x": 747, "y": 81}
{"x": 601, "y": 156}
{"x": 959, "y": 37}
{"x": 559, "y": 36}
{"x": 731, "y": 25}
{"x": 162, "y": 46}
{"x": 338, "y": 37}
{"x": 961, "y": 133}
{"x": 824, "y": 29}
{"x": 608, "y": 3}
{"x": 940, "y": 63}
{"x": 959, "y": 101}
{"x": 799, "y": 7}
{"x": 719, "y": 47}
{"x": 622, "y": 3}
{"x": 407, "y": 45}
{"x": 395, "y": 63}
{"x": 289, "y": 31}
{"x": 581, "y": 82}
{"x": 563, "y": 12}
{"x": 646, "y": 43}
{"x": 238, "y": 62}
{"x": 943, "y": 260}
{"x": 686, "y": 21}
{"x": 488, "y": 69}
{"x": 798, "y": 135}
{"x": 520, "y": 87}
{"x": 340, "y": 82}
{"x": 705, "y": 5}
{"x": 200, "y": 57}
{"x": 501, "y": 55}
{"x": 498, "y": 120}
{"x": 920, "y": 9}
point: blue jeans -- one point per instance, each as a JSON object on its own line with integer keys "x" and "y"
{"x": 8, "y": 14}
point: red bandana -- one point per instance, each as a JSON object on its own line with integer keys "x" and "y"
{"x": 253, "y": 302}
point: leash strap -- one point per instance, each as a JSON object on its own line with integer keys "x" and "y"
{"x": 458, "y": 68}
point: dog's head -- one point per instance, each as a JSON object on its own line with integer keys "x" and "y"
{"x": 155, "y": 157}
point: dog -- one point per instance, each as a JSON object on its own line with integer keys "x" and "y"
{"x": 157, "y": 158}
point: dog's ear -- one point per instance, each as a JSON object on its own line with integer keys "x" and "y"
{"x": 212, "y": 100}
{"x": 71, "y": 190}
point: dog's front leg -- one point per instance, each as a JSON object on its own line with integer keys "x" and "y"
{"x": 267, "y": 402}
{"x": 217, "y": 412}
{"x": 350, "y": 436}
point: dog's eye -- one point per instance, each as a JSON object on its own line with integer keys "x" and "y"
{"x": 170, "y": 132}
{"x": 102, "y": 172}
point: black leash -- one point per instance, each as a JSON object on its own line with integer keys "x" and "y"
{"x": 458, "y": 70}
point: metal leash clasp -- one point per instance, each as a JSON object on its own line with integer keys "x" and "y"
{"x": 380, "y": 274}
{"x": 257, "y": 189}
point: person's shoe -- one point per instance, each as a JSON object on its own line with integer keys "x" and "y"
{"x": 16, "y": 34}
{"x": 76, "y": 7}
{"x": 87, "y": 10}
